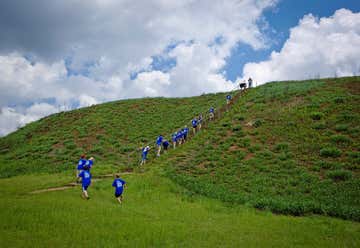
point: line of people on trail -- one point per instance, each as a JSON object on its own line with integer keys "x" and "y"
{"x": 177, "y": 138}
{"x": 83, "y": 174}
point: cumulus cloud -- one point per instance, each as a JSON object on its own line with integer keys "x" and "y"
{"x": 11, "y": 119}
{"x": 324, "y": 47}
{"x": 78, "y": 53}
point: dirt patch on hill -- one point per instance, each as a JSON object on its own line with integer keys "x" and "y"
{"x": 353, "y": 87}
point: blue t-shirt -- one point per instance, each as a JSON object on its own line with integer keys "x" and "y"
{"x": 211, "y": 110}
{"x": 179, "y": 135}
{"x": 194, "y": 123}
{"x": 159, "y": 140}
{"x": 145, "y": 151}
{"x": 119, "y": 185}
{"x": 89, "y": 163}
{"x": 81, "y": 164}
{"x": 228, "y": 97}
{"x": 165, "y": 143}
{"x": 174, "y": 137}
{"x": 186, "y": 130}
{"x": 86, "y": 178}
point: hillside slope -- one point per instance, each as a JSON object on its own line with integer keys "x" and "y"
{"x": 291, "y": 147}
{"x": 110, "y": 132}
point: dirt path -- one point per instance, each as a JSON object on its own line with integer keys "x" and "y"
{"x": 74, "y": 184}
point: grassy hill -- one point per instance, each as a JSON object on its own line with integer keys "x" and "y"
{"x": 290, "y": 147}
{"x": 110, "y": 132}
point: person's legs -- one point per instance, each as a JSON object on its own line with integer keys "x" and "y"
{"x": 159, "y": 150}
{"x": 118, "y": 197}
{"x": 85, "y": 193}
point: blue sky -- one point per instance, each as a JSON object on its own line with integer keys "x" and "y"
{"x": 284, "y": 16}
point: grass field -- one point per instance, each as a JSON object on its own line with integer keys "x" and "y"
{"x": 155, "y": 213}
{"x": 287, "y": 148}
{"x": 291, "y": 147}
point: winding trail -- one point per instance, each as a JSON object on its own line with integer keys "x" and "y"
{"x": 74, "y": 184}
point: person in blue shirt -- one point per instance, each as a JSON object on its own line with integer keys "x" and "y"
{"x": 165, "y": 144}
{"x": 119, "y": 185}
{"x": 80, "y": 165}
{"x": 85, "y": 182}
{"x": 174, "y": 139}
{"x": 211, "y": 113}
{"x": 90, "y": 162}
{"x": 200, "y": 119}
{"x": 159, "y": 143}
{"x": 228, "y": 99}
{"x": 194, "y": 124}
{"x": 144, "y": 153}
{"x": 179, "y": 137}
{"x": 185, "y": 132}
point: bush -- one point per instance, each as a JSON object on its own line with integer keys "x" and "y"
{"x": 340, "y": 139}
{"x": 282, "y": 147}
{"x": 330, "y": 152}
{"x": 319, "y": 126}
{"x": 339, "y": 100}
{"x": 341, "y": 127}
{"x": 258, "y": 123}
{"x": 339, "y": 175}
{"x": 236, "y": 128}
{"x": 316, "y": 116}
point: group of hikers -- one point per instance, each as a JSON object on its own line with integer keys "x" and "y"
{"x": 83, "y": 174}
{"x": 177, "y": 138}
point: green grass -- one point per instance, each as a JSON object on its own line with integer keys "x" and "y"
{"x": 156, "y": 213}
{"x": 111, "y": 132}
{"x": 290, "y": 147}
{"x": 285, "y": 148}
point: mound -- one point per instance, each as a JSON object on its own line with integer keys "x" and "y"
{"x": 111, "y": 132}
{"x": 291, "y": 147}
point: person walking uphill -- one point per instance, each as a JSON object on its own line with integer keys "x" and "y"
{"x": 194, "y": 124}
{"x": 165, "y": 145}
{"x": 144, "y": 153}
{"x": 81, "y": 164}
{"x": 119, "y": 185}
{"x": 250, "y": 82}
{"x": 228, "y": 99}
{"x": 159, "y": 141}
{"x": 85, "y": 182}
{"x": 211, "y": 113}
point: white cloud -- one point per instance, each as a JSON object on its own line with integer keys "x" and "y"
{"x": 90, "y": 56}
{"x": 10, "y": 119}
{"x": 324, "y": 47}
{"x": 152, "y": 83}
{"x": 86, "y": 101}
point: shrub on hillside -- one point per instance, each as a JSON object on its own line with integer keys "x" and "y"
{"x": 316, "y": 115}
{"x": 341, "y": 127}
{"x": 282, "y": 147}
{"x": 319, "y": 126}
{"x": 340, "y": 139}
{"x": 236, "y": 128}
{"x": 339, "y": 99}
{"x": 258, "y": 123}
{"x": 330, "y": 152}
{"x": 339, "y": 175}
{"x": 346, "y": 117}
